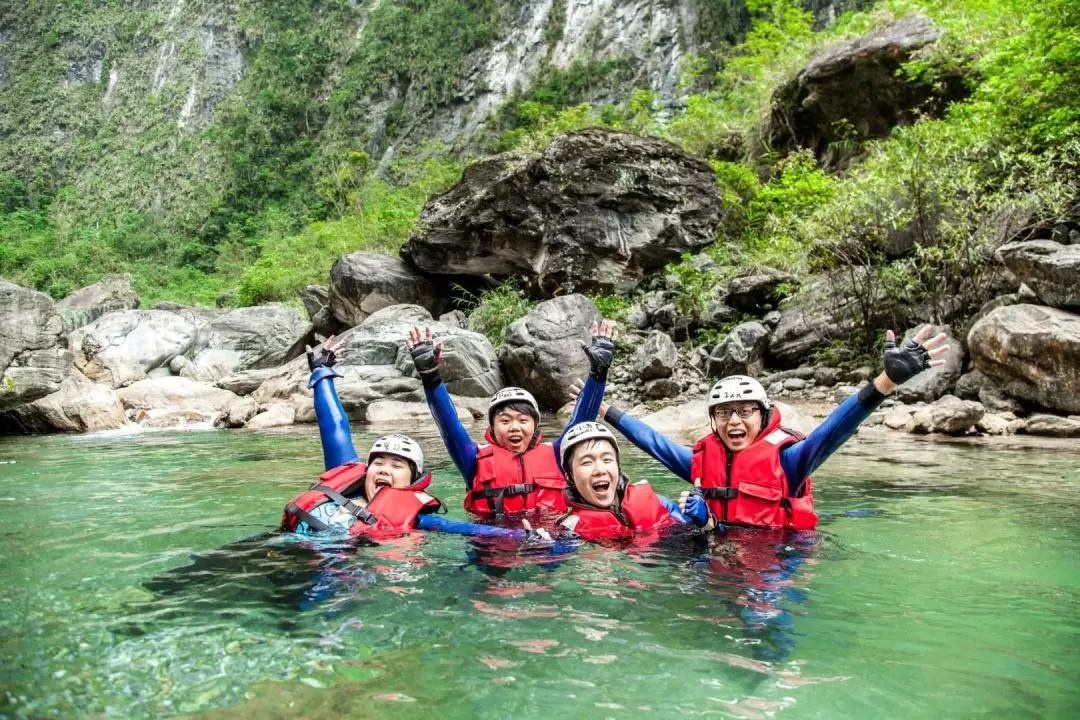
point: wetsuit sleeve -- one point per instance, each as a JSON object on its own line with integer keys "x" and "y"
{"x": 455, "y": 437}
{"x": 672, "y": 508}
{"x": 802, "y": 458}
{"x": 673, "y": 456}
{"x": 438, "y": 523}
{"x": 334, "y": 431}
{"x": 585, "y": 409}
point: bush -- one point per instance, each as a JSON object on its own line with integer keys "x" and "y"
{"x": 494, "y": 310}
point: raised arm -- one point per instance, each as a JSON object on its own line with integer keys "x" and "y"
{"x": 334, "y": 431}
{"x": 672, "y": 455}
{"x": 601, "y": 353}
{"x": 461, "y": 447}
{"x": 902, "y": 363}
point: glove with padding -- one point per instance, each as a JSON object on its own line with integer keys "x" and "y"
{"x": 601, "y": 354}
{"x": 903, "y": 362}
{"x": 321, "y": 357}
{"x": 426, "y": 356}
{"x": 693, "y": 506}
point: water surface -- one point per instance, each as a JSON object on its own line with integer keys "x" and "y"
{"x": 956, "y": 594}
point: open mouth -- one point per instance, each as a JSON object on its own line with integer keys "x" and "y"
{"x": 736, "y": 434}
{"x": 601, "y": 486}
{"x": 382, "y": 482}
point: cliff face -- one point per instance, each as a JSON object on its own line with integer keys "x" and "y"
{"x": 172, "y": 108}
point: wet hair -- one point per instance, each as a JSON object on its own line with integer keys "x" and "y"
{"x": 519, "y": 406}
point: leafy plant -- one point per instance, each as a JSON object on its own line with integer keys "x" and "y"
{"x": 495, "y": 309}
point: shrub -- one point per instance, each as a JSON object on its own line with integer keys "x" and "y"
{"x": 494, "y": 310}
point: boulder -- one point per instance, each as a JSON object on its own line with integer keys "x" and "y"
{"x": 1032, "y": 353}
{"x": 949, "y": 415}
{"x": 993, "y": 425}
{"x": 376, "y": 365}
{"x": 122, "y": 347}
{"x": 595, "y": 212}
{"x": 455, "y": 318}
{"x": 274, "y": 415}
{"x": 244, "y": 382}
{"x": 969, "y": 385}
{"x": 656, "y": 357}
{"x": 715, "y": 315}
{"x": 856, "y": 91}
{"x": 759, "y": 292}
{"x": 195, "y": 315}
{"x": 88, "y": 304}
{"x": 391, "y": 414}
{"x": 170, "y": 401}
{"x": 1051, "y": 269}
{"x": 237, "y": 413}
{"x": 314, "y": 298}
{"x": 33, "y": 359}
{"x": 250, "y": 338}
{"x": 542, "y": 352}
{"x": 931, "y": 384}
{"x": 742, "y": 352}
{"x": 362, "y": 283}
{"x": 1052, "y": 426}
{"x": 78, "y": 406}
{"x": 660, "y": 388}
{"x": 898, "y": 417}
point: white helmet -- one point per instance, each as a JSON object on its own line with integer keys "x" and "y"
{"x": 511, "y": 395}
{"x": 734, "y": 388}
{"x": 400, "y": 446}
{"x": 583, "y": 432}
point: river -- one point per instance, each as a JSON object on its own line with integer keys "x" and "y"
{"x": 953, "y": 591}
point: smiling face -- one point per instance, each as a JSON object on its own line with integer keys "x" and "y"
{"x": 513, "y": 430}
{"x": 736, "y": 431}
{"x": 594, "y": 469}
{"x": 387, "y": 471}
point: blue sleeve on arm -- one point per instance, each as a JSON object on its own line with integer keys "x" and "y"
{"x": 672, "y": 508}
{"x": 673, "y": 456}
{"x": 804, "y": 457}
{"x": 455, "y": 437}
{"x": 439, "y": 523}
{"x": 334, "y": 429}
{"x": 586, "y": 408}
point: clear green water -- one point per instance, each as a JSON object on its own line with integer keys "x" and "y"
{"x": 960, "y": 598}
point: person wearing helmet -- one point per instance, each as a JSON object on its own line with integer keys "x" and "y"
{"x": 515, "y": 470}
{"x": 752, "y": 471}
{"x": 603, "y": 503}
{"x": 385, "y": 496}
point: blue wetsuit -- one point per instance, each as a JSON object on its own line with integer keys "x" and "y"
{"x": 463, "y": 449}
{"x": 799, "y": 459}
{"x": 336, "y": 437}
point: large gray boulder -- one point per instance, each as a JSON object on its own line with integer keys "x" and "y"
{"x": 376, "y": 366}
{"x": 596, "y": 211}
{"x": 1031, "y": 352}
{"x": 542, "y": 351}
{"x": 948, "y": 415}
{"x": 122, "y": 347}
{"x": 810, "y": 321}
{"x": 33, "y": 360}
{"x": 78, "y": 406}
{"x": 250, "y": 338}
{"x": 741, "y": 352}
{"x": 171, "y": 401}
{"x": 656, "y": 357}
{"x": 856, "y": 90}
{"x": 1052, "y": 426}
{"x": 1051, "y": 269}
{"x": 931, "y": 384}
{"x": 362, "y": 283}
{"x": 88, "y": 304}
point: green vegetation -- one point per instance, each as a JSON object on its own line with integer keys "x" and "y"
{"x": 493, "y": 311}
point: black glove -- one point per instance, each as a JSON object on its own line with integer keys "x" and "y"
{"x": 601, "y": 354}
{"x": 426, "y": 357}
{"x": 320, "y": 357}
{"x": 906, "y": 361}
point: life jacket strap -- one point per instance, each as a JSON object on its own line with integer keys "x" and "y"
{"x": 495, "y": 495}
{"x": 313, "y": 522}
{"x": 354, "y": 509}
{"x": 724, "y": 493}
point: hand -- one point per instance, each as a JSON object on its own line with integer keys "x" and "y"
{"x": 916, "y": 354}
{"x": 425, "y": 353}
{"x": 692, "y": 504}
{"x": 326, "y": 355}
{"x": 601, "y": 352}
{"x": 575, "y": 390}
{"x": 532, "y": 535}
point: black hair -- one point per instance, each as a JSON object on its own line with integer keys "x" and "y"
{"x": 519, "y": 406}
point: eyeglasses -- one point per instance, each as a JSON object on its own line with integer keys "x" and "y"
{"x": 743, "y": 412}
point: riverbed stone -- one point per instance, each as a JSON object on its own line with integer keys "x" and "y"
{"x": 949, "y": 415}
{"x": 79, "y": 405}
{"x": 741, "y": 352}
{"x": 542, "y": 351}
{"x": 1032, "y": 353}
{"x": 931, "y": 384}
{"x": 1052, "y": 426}
{"x": 656, "y": 357}
{"x": 121, "y": 347}
{"x": 1051, "y": 269}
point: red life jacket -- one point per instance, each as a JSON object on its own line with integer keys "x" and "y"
{"x": 506, "y": 482}
{"x": 749, "y": 487}
{"x": 393, "y": 511}
{"x": 640, "y": 511}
